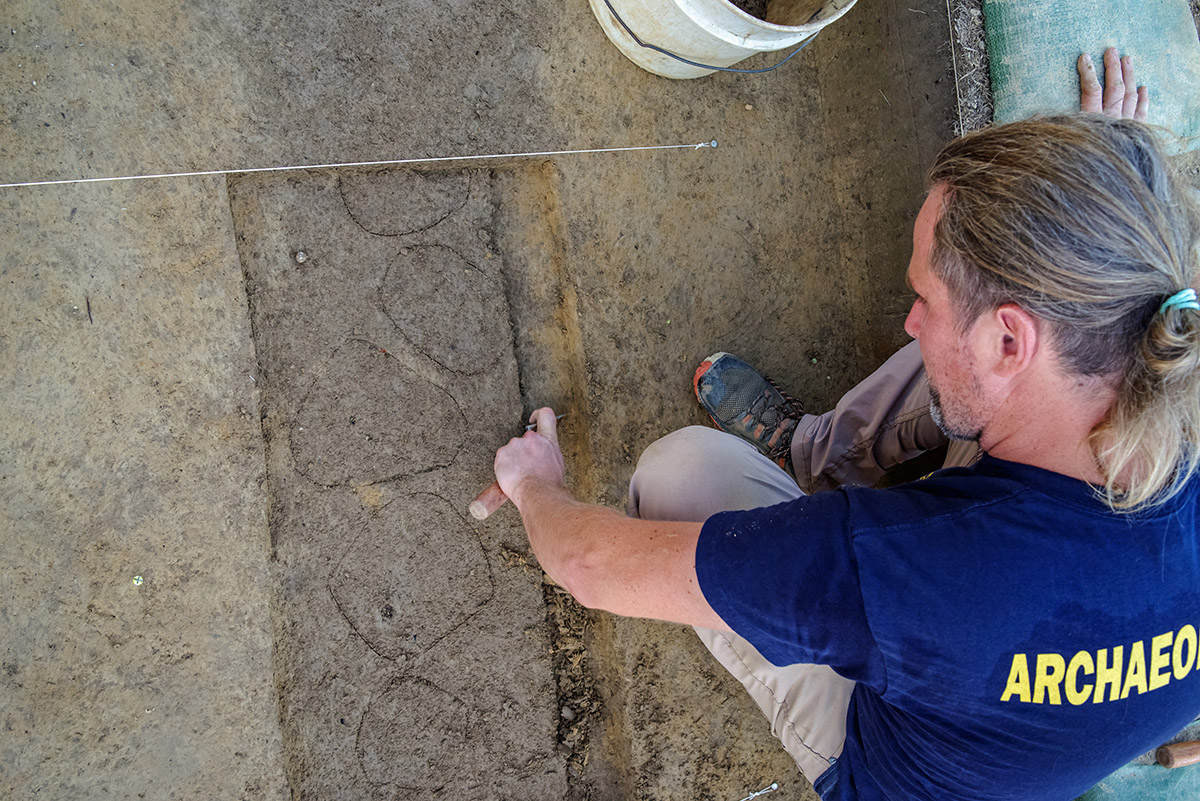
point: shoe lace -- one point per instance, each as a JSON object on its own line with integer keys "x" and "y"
{"x": 790, "y": 407}
{"x": 775, "y": 415}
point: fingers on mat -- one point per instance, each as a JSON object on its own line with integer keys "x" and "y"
{"x": 1114, "y": 83}
{"x": 1129, "y": 82}
{"x": 1143, "y": 104}
{"x": 1090, "y": 91}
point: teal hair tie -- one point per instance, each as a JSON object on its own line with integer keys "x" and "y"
{"x": 1183, "y": 299}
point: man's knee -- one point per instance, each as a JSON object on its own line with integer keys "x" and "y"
{"x": 664, "y": 470}
{"x": 692, "y": 446}
{"x": 695, "y": 472}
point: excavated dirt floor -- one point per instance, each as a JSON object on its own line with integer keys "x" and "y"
{"x": 245, "y": 413}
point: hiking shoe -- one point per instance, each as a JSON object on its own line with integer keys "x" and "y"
{"x": 744, "y": 403}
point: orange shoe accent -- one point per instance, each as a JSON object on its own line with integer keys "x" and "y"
{"x": 701, "y": 370}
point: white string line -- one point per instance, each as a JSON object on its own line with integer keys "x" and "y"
{"x": 390, "y": 162}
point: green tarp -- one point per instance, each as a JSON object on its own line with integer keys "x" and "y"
{"x": 1033, "y": 44}
{"x": 1144, "y": 780}
{"x": 1148, "y": 783}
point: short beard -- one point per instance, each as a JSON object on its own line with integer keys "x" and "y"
{"x": 937, "y": 411}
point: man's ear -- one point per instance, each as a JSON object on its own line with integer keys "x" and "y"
{"x": 1016, "y": 338}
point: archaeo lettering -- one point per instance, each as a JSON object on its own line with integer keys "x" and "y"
{"x": 1109, "y": 674}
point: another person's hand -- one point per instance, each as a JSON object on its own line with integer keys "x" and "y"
{"x": 1120, "y": 96}
{"x": 534, "y": 455}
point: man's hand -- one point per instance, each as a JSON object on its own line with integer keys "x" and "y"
{"x": 637, "y": 568}
{"x": 1120, "y": 96}
{"x": 535, "y": 455}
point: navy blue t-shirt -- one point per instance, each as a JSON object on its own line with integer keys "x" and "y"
{"x": 1012, "y": 638}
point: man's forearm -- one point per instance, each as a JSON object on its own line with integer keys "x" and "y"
{"x": 606, "y": 560}
{"x": 566, "y": 535}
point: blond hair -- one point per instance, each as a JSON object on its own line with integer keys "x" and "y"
{"x": 1080, "y": 221}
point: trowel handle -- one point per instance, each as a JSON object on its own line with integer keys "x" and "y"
{"x": 1177, "y": 755}
{"x": 487, "y": 501}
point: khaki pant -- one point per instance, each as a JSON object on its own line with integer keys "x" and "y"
{"x": 696, "y": 472}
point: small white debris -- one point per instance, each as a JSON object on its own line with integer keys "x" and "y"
{"x": 301, "y": 257}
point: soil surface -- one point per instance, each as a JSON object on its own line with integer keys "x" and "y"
{"x": 386, "y": 360}
{"x": 246, "y": 413}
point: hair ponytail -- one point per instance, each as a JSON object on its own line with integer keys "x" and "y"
{"x": 1152, "y": 431}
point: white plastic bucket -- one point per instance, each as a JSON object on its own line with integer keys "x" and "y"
{"x": 709, "y": 32}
